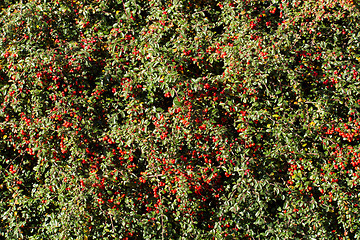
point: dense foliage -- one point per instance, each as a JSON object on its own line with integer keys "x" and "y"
{"x": 179, "y": 119}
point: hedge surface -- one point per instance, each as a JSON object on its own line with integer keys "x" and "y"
{"x": 178, "y": 119}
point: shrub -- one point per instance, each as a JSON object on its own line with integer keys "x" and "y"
{"x": 179, "y": 119}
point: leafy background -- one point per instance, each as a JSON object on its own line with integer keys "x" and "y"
{"x": 179, "y": 119}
